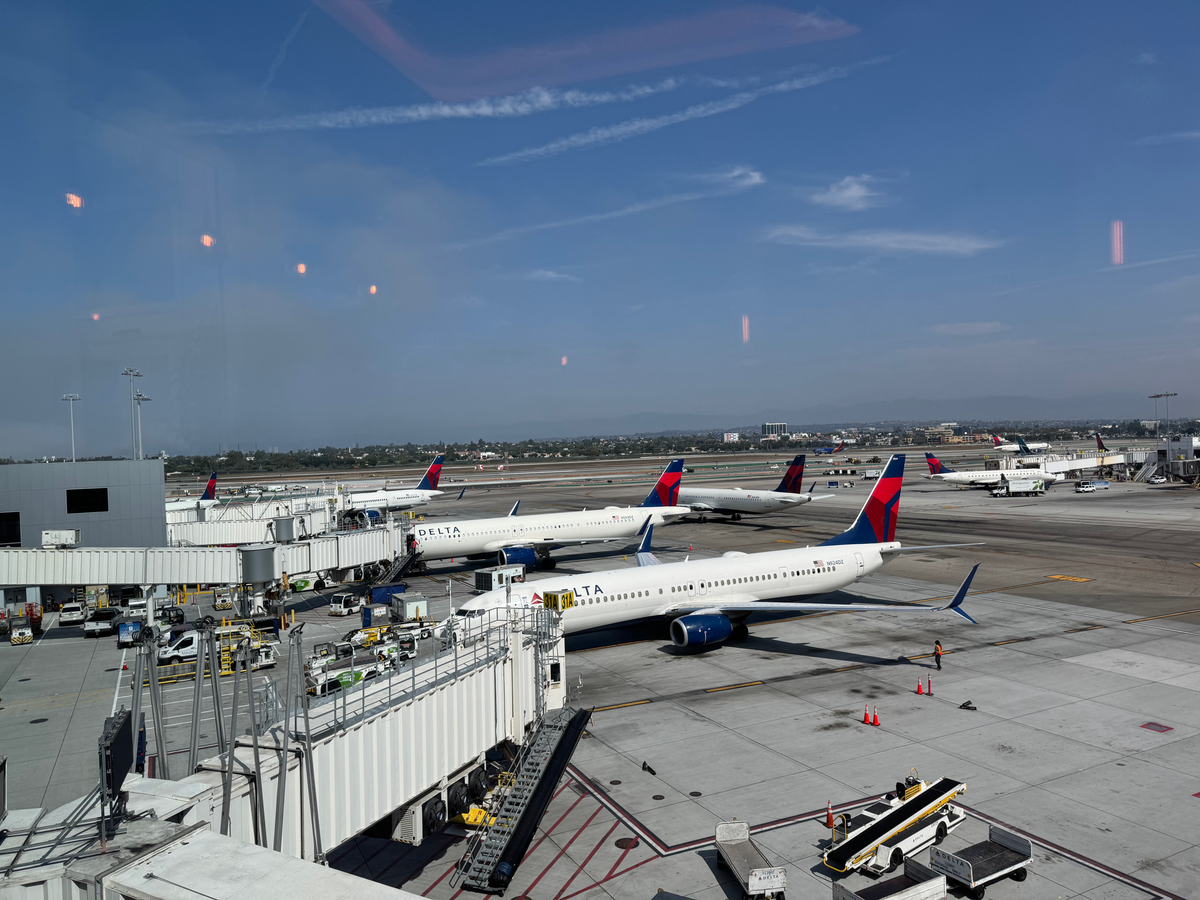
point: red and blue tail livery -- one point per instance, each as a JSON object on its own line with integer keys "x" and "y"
{"x": 1100, "y": 443}
{"x": 936, "y": 466}
{"x": 876, "y": 522}
{"x": 666, "y": 490}
{"x": 432, "y": 474}
{"x": 210, "y": 492}
{"x": 793, "y": 478}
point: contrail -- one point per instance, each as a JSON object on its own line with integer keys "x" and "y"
{"x": 526, "y": 103}
{"x": 735, "y": 180}
{"x": 622, "y": 131}
{"x": 283, "y": 49}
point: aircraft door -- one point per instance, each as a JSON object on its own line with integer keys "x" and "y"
{"x": 783, "y": 577}
{"x": 521, "y": 531}
{"x": 691, "y": 589}
{"x": 862, "y": 566}
{"x": 702, "y": 585}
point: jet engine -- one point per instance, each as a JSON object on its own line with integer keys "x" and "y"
{"x": 700, "y": 629}
{"x": 513, "y": 556}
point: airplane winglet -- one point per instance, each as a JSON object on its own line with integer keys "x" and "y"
{"x": 644, "y": 556}
{"x": 513, "y": 511}
{"x": 955, "y": 605}
{"x": 460, "y": 494}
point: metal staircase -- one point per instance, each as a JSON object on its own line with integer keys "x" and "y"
{"x": 509, "y": 802}
{"x": 399, "y": 566}
{"x": 1149, "y": 467}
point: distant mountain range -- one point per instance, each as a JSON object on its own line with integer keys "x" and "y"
{"x": 824, "y": 417}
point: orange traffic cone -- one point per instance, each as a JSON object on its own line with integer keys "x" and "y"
{"x": 124, "y": 667}
{"x": 829, "y": 814}
{"x": 920, "y": 687}
{"x": 866, "y": 715}
{"x": 876, "y": 721}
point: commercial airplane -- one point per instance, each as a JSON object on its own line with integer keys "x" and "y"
{"x": 939, "y": 471}
{"x": 530, "y": 539}
{"x": 829, "y": 451}
{"x": 1019, "y": 447}
{"x": 709, "y": 600}
{"x": 733, "y": 502}
{"x": 1100, "y": 443}
{"x": 403, "y": 498}
{"x": 207, "y": 499}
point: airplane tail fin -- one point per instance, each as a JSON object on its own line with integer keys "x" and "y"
{"x": 666, "y": 490}
{"x": 1024, "y": 450}
{"x": 793, "y": 478}
{"x": 955, "y": 605}
{"x": 936, "y": 466}
{"x": 1100, "y": 443}
{"x": 876, "y": 522}
{"x": 997, "y": 440}
{"x": 840, "y": 447}
{"x": 210, "y": 492}
{"x": 432, "y": 475}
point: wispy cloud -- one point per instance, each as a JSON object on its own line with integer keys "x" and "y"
{"x": 1174, "y": 137}
{"x": 283, "y": 49}
{"x": 1146, "y": 59}
{"x": 623, "y": 131}
{"x": 854, "y": 193}
{"x": 1192, "y": 254}
{"x": 883, "y": 241}
{"x": 968, "y": 328}
{"x": 547, "y": 275}
{"x": 730, "y": 181}
{"x": 526, "y": 103}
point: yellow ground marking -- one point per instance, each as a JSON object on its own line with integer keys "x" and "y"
{"x": 1163, "y": 616}
{"x": 620, "y": 705}
{"x": 1074, "y": 578}
{"x": 730, "y": 687}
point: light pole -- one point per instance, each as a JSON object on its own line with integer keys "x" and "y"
{"x": 1166, "y": 398}
{"x": 71, "y": 398}
{"x": 132, "y": 373}
{"x": 140, "y": 398}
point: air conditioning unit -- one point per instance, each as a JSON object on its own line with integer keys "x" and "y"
{"x": 60, "y": 538}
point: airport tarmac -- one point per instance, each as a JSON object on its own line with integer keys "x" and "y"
{"x": 1064, "y": 672}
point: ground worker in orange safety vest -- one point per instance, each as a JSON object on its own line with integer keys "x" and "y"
{"x": 937, "y": 654}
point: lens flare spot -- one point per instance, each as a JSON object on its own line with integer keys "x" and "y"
{"x": 302, "y": 268}
{"x": 372, "y": 289}
{"x": 75, "y": 200}
{"x": 206, "y": 240}
{"x": 564, "y": 361}
{"x": 95, "y": 317}
{"x": 745, "y": 329}
{"x": 1118, "y": 243}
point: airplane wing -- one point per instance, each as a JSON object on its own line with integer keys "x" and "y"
{"x": 928, "y": 547}
{"x": 745, "y": 603}
{"x": 701, "y": 507}
{"x": 543, "y": 543}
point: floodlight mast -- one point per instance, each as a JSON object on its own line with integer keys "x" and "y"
{"x": 71, "y": 398}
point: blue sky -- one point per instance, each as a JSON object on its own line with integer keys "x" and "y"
{"x": 906, "y": 200}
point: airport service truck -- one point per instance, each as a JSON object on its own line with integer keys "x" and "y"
{"x": 1019, "y": 487}
{"x": 335, "y": 666}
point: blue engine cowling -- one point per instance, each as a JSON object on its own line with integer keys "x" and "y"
{"x": 517, "y": 556}
{"x": 700, "y": 629}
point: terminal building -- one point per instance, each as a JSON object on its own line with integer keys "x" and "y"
{"x": 111, "y": 503}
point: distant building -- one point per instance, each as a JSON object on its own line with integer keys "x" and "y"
{"x": 939, "y": 435}
{"x": 774, "y": 428}
{"x": 732, "y": 437}
{"x": 113, "y": 503}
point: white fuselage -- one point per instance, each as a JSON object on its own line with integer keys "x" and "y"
{"x": 402, "y": 499}
{"x": 469, "y": 537}
{"x": 992, "y": 477}
{"x": 620, "y": 596}
{"x": 736, "y": 500}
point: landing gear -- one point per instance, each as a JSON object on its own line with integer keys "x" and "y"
{"x": 549, "y": 562}
{"x": 704, "y": 520}
{"x": 739, "y": 633}
{"x": 736, "y": 517}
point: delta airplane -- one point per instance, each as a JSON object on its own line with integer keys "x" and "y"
{"x": 733, "y": 502}
{"x": 207, "y": 499}
{"x": 425, "y": 491}
{"x": 709, "y": 600}
{"x": 530, "y": 539}
{"x": 829, "y": 451}
{"x": 939, "y": 471}
{"x": 1019, "y": 447}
